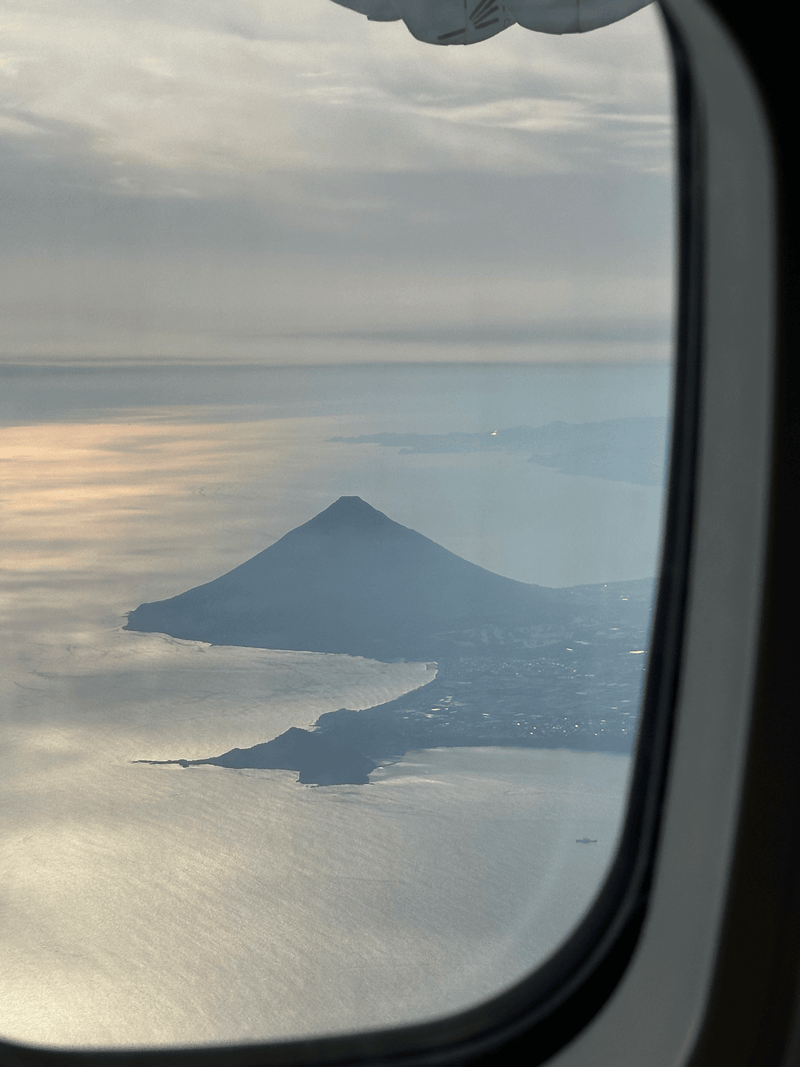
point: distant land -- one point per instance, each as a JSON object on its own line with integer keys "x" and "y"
{"x": 519, "y": 665}
{"x": 319, "y": 760}
{"x": 626, "y": 450}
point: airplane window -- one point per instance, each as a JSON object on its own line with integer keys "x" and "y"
{"x": 336, "y": 400}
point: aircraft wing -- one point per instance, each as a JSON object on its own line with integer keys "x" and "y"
{"x": 375, "y": 10}
{"x": 572, "y": 16}
{"x": 454, "y": 21}
{"x": 469, "y": 21}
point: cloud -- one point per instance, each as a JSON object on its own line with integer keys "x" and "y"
{"x": 197, "y": 181}
{"x": 201, "y": 99}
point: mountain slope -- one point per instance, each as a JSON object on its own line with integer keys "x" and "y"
{"x": 351, "y": 580}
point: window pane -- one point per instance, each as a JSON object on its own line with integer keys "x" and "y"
{"x": 392, "y": 321}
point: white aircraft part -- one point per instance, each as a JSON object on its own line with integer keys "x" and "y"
{"x": 375, "y": 10}
{"x": 469, "y": 21}
{"x": 454, "y": 21}
{"x": 572, "y": 16}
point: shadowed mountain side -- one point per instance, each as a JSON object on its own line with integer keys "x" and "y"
{"x": 319, "y": 760}
{"x": 353, "y": 581}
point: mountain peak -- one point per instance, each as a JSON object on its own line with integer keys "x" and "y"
{"x": 350, "y": 505}
{"x": 352, "y": 514}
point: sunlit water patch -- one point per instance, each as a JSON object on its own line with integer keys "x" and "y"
{"x": 157, "y": 905}
{"x": 150, "y": 905}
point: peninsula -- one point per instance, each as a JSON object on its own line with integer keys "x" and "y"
{"x": 518, "y": 665}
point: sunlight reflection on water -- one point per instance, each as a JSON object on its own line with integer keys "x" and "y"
{"x": 157, "y": 905}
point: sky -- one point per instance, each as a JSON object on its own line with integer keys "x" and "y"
{"x": 202, "y": 183}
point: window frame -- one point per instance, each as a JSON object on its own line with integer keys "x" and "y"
{"x": 689, "y": 956}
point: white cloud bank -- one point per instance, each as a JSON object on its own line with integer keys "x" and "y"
{"x": 198, "y": 100}
{"x": 198, "y": 181}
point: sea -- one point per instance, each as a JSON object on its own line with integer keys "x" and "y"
{"x": 150, "y": 906}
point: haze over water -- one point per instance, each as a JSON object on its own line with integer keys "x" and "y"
{"x": 161, "y": 905}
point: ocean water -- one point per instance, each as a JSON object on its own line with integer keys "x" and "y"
{"x": 156, "y": 905}
{"x": 152, "y": 906}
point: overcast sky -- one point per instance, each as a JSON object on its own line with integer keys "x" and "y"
{"x": 186, "y": 180}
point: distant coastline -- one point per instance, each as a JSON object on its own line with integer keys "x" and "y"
{"x": 562, "y": 699}
{"x": 518, "y": 665}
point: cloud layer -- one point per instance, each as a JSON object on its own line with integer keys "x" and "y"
{"x": 196, "y": 182}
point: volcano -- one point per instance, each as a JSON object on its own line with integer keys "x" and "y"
{"x": 351, "y": 580}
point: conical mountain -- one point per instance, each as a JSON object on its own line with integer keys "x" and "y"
{"x": 351, "y": 580}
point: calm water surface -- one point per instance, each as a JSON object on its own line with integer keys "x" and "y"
{"x": 151, "y": 905}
